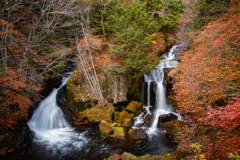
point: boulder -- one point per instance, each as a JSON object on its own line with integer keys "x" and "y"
{"x": 119, "y": 132}
{"x": 97, "y": 114}
{"x": 135, "y": 107}
{"x": 137, "y": 134}
{"x": 173, "y": 127}
{"x": 128, "y": 156}
{"x": 166, "y": 118}
{"x": 106, "y": 128}
{"x": 124, "y": 119}
{"x": 181, "y": 153}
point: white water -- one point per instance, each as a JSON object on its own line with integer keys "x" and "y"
{"x": 161, "y": 106}
{"x": 50, "y": 127}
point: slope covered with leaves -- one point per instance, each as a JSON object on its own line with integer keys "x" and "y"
{"x": 206, "y": 78}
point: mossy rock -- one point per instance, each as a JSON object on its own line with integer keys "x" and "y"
{"x": 181, "y": 153}
{"x": 116, "y": 115}
{"x": 106, "y": 128}
{"x": 164, "y": 156}
{"x": 128, "y": 156}
{"x": 82, "y": 115}
{"x": 97, "y": 114}
{"x": 135, "y": 107}
{"x": 173, "y": 127}
{"x": 119, "y": 132}
{"x": 124, "y": 119}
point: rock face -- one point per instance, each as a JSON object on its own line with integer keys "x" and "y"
{"x": 63, "y": 104}
{"x": 97, "y": 114}
{"x": 137, "y": 134}
{"x": 114, "y": 85}
{"x": 166, "y": 118}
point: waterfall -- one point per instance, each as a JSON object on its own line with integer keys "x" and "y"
{"x": 50, "y": 127}
{"x": 161, "y": 106}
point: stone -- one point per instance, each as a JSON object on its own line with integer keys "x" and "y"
{"x": 119, "y": 132}
{"x": 97, "y": 114}
{"x": 181, "y": 153}
{"x": 166, "y": 118}
{"x": 137, "y": 134}
{"x": 135, "y": 107}
{"x": 173, "y": 127}
{"x": 106, "y": 128}
{"x": 124, "y": 119}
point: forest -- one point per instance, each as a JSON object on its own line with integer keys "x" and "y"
{"x": 120, "y": 41}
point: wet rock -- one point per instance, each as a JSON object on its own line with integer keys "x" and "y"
{"x": 135, "y": 107}
{"x": 166, "y": 118}
{"x": 137, "y": 134}
{"x": 124, "y": 119}
{"x": 63, "y": 104}
{"x": 97, "y": 114}
{"x": 119, "y": 132}
{"x": 152, "y": 92}
{"x": 134, "y": 93}
{"x": 106, "y": 128}
{"x": 173, "y": 127}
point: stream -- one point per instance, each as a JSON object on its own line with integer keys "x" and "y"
{"x": 55, "y": 139}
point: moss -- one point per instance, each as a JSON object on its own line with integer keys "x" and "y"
{"x": 135, "y": 107}
{"x": 96, "y": 114}
{"x": 82, "y": 115}
{"x": 116, "y": 115}
{"x": 131, "y": 115}
{"x": 118, "y": 132}
{"x": 124, "y": 119}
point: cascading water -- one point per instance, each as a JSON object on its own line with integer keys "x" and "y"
{"x": 156, "y": 77}
{"x": 50, "y": 127}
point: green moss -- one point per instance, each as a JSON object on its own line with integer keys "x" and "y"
{"x": 135, "y": 107}
{"x": 131, "y": 114}
{"x": 118, "y": 132}
{"x": 82, "y": 115}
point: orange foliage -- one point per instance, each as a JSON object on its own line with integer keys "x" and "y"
{"x": 13, "y": 98}
{"x": 210, "y": 69}
{"x": 208, "y": 75}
